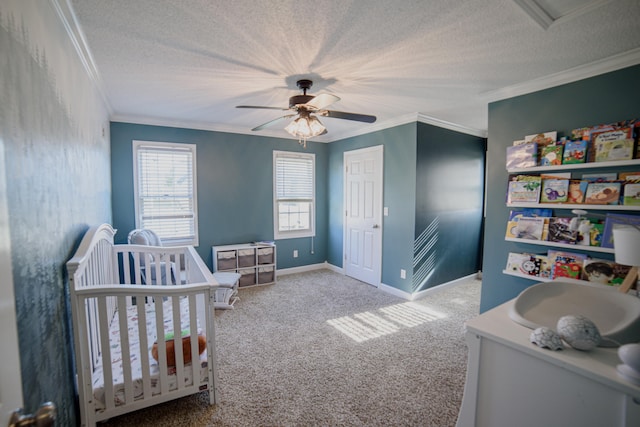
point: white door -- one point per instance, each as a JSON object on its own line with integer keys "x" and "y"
{"x": 363, "y": 214}
{"x": 10, "y": 380}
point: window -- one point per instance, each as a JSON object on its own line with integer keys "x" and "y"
{"x": 165, "y": 190}
{"x": 294, "y": 194}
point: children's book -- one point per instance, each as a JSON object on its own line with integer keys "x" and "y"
{"x": 575, "y": 152}
{"x": 604, "y": 271}
{"x": 551, "y": 155}
{"x": 580, "y": 134}
{"x": 602, "y": 193}
{"x": 514, "y": 215}
{"x": 529, "y": 264}
{"x": 631, "y": 195}
{"x": 566, "y": 264}
{"x": 560, "y": 231}
{"x": 595, "y": 234}
{"x": 577, "y": 191}
{"x": 608, "y": 151}
{"x": 522, "y": 156}
{"x": 542, "y": 139}
{"x": 629, "y": 176}
{"x": 524, "y": 189}
{"x": 554, "y": 191}
{"x": 530, "y": 228}
{"x": 600, "y": 177}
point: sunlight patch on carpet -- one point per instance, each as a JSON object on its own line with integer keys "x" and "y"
{"x": 365, "y": 326}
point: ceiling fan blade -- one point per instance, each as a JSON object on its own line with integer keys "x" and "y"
{"x": 272, "y": 122}
{"x": 321, "y": 101}
{"x": 261, "y": 107}
{"x": 348, "y": 116}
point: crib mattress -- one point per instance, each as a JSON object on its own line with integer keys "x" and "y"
{"x": 136, "y": 363}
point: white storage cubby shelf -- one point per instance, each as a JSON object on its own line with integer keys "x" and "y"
{"x": 255, "y": 262}
{"x": 614, "y": 165}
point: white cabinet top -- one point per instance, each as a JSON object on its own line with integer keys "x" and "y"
{"x": 598, "y": 364}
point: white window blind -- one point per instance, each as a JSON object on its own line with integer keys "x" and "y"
{"x": 294, "y": 175}
{"x": 166, "y": 191}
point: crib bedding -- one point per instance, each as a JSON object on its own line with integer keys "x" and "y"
{"x": 136, "y": 363}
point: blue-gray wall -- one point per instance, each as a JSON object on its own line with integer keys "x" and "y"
{"x": 399, "y": 189}
{"x": 54, "y": 133}
{"x": 449, "y": 206}
{"x": 602, "y": 99}
{"x": 235, "y": 193}
{"x": 235, "y": 188}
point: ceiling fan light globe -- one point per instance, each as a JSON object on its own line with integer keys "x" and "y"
{"x": 305, "y": 127}
{"x": 316, "y": 126}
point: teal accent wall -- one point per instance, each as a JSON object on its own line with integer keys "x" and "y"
{"x": 235, "y": 188}
{"x": 450, "y": 169}
{"x": 605, "y": 98}
{"x": 399, "y": 186}
{"x": 53, "y": 131}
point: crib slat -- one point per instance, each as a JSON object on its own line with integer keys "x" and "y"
{"x": 137, "y": 275}
{"x": 126, "y": 268}
{"x": 144, "y": 345}
{"x": 177, "y": 340}
{"x": 103, "y": 322}
{"x": 162, "y": 347}
{"x": 126, "y": 350}
{"x": 178, "y": 269}
{"x": 193, "y": 328}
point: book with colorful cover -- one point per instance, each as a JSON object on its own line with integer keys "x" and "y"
{"x": 575, "y": 152}
{"x": 629, "y": 176}
{"x": 542, "y": 139}
{"x": 566, "y": 264}
{"x": 604, "y": 271}
{"x": 514, "y": 215}
{"x": 631, "y": 195}
{"x": 608, "y": 151}
{"x": 603, "y": 193}
{"x": 560, "y": 231}
{"x": 524, "y": 189}
{"x": 551, "y": 155}
{"x": 529, "y": 264}
{"x": 522, "y": 156}
{"x": 600, "y": 177}
{"x": 530, "y": 228}
{"x": 577, "y": 191}
{"x": 595, "y": 234}
{"x": 554, "y": 191}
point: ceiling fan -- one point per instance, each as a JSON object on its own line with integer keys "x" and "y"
{"x": 307, "y": 107}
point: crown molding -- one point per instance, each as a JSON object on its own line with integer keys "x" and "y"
{"x": 67, "y": 16}
{"x": 606, "y": 65}
{"x": 185, "y": 124}
{"x": 482, "y": 133}
{"x": 397, "y": 121}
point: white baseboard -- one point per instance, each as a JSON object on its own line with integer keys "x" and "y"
{"x": 310, "y": 267}
{"x": 385, "y": 288}
{"x": 411, "y": 297}
{"x": 443, "y": 286}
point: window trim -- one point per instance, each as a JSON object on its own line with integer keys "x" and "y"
{"x": 311, "y": 232}
{"x": 170, "y": 146}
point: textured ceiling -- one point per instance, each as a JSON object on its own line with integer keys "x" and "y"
{"x": 190, "y": 62}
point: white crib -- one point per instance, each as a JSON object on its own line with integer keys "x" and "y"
{"x": 116, "y": 314}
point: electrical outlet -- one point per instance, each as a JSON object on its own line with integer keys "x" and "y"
{"x": 403, "y": 273}
{"x": 295, "y": 253}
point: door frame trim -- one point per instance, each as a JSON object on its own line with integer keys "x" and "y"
{"x": 380, "y": 207}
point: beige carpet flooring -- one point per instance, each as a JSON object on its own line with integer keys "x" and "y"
{"x": 322, "y": 349}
